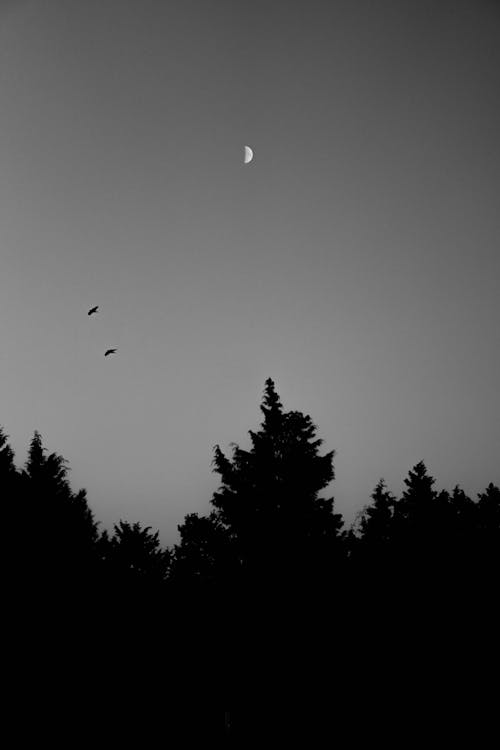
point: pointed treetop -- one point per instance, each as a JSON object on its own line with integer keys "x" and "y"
{"x": 419, "y": 476}
{"x": 6, "y": 453}
{"x": 271, "y": 406}
{"x": 271, "y": 399}
{"x": 36, "y": 451}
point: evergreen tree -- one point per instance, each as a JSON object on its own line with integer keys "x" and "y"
{"x": 417, "y": 501}
{"x": 9, "y": 484}
{"x": 463, "y": 519}
{"x": 489, "y": 511}
{"x": 7, "y": 466}
{"x": 417, "y": 533}
{"x": 11, "y": 509}
{"x": 206, "y": 554}
{"x": 375, "y": 521}
{"x": 60, "y": 525}
{"x": 135, "y": 557}
{"x": 372, "y": 558}
{"x": 488, "y": 532}
{"x": 268, "y": 500}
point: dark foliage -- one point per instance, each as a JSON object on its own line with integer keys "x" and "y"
{"x": 268, "y": 501}
{"x": 267, "y": 583}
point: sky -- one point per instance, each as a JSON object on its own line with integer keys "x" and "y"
{"x": 355, "y": 260}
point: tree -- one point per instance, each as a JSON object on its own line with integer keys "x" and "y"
{"x": 375, "y": 520}
{"x": 488, "y": 531}
{"x": 206, "y": 554}
{"x": 11, "y": 509}
{"x": 268, "y": 499}
{"x": 60, "y": 525}
{"x": 489, "y": 512}
{"x": 8, "y": 481}
{"x": 461, "y": 527}
{"x": 417, "y": 501}
{"x": 135, "y": 557}
{"x": 7, "y": 466}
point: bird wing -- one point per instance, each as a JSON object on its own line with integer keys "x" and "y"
{"x": 93, "y": 310}
{"x": 109, "y": 351}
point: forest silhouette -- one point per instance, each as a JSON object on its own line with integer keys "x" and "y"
{"x": 268, "y": 581}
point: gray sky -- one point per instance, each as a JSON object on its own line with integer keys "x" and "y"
{"x": 355, "y": 260}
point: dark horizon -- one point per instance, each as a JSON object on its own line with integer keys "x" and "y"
{"x": 266, "y": 593}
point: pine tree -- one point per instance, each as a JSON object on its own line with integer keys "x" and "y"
{"x": 462, "y": 520}
{"x": 268, "y": 500}
{"x": 9, "y": 483}
{"x": 206, "y": 555}
{"x": 489, "y": 511}
{"x": 11, "y": 510}
{"x": 488, "y": 531}
{"x": 375, "y": 520}
{"x": 7, "y": 466}
{"x": 426, "y": 533}
{"x": 417, "y": 501}
{"x": 135, "y": 556}
{"x": 60, "y": 525}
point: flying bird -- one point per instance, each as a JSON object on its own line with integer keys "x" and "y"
{"x": 109, "y": 351}
{"x": 93, "y": 310}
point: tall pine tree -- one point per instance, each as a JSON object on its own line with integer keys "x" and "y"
{"x": 60, "y": 526}
{"x": 268, "y": 499}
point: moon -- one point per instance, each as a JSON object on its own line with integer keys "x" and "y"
{"x": 248, "y": 155}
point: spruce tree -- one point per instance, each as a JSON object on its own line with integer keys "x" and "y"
{"x": 206, "y": 555}
{"x": 268, "y": 498}
{"x": 489, "y": 512}
{"x": 375, "y": 520}
{"x": 488, "y": 532}
{"x": 417, "y": 501}
{"x": 7, "y": 466}
{"x": 136, "y": 557}
{"x": 59, "y": 523}
{"x": 9, "y": 484}
{"x": 11, "y": 509}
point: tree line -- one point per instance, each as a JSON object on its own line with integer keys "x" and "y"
{"x": 267, "y": 529}
{"x": 270, "y": 558}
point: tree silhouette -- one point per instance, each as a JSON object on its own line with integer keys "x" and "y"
{"x": 7, "y": 466}
{"x": 415, "y": 515}
{"x": 489, "y": 512}
{"x": 268, "y": 500}
{"x": 60, "y": 525}
{"x": 12, "y": 517}
{"x": 417, "y": 501}
{"x": 206, "y": 555}
{"x": 134, "y": 558}
{"x": 488, "y": 532}
{"x": 9, "y": 478}
{"x": 376, "y": 520}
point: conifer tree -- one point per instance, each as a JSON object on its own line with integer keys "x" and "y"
{"x": 372, "y": 549}
{"x": 206, "y": 554}
{"x": 60, "y": 525}
{"x": 136, "y": 557}
{"x": 417, "y": 501}
{"x": 462, "y": 521}
{"x": 10, "y": 502}
{"x": 7, "y": 466}
{"x": 375, "y": 521}
{"x": 488, "y": 531}
{"x": 8, "y": 481}
{"x": 268, "y": 499}
{"x": 489, "y": 511}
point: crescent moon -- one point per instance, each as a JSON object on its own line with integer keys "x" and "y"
{"x": 248, "y": 155}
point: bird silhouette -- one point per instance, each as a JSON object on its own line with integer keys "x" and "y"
{"x": 109, "y": 351}
{"x": 93, "y": 310}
